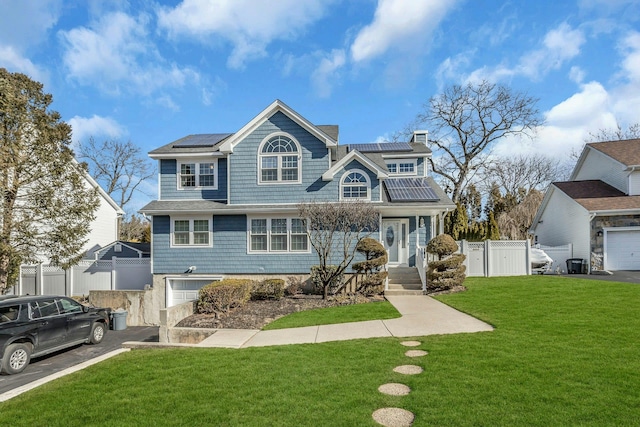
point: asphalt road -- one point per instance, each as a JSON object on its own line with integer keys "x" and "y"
{"x": 50, "y": 364}
{"x": 616, "y": 276}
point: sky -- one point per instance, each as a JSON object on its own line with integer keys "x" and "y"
{"x": 151, "y": 72}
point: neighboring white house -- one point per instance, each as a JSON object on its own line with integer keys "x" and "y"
{"x": 104, "y": 228}
{"x": 598, "y": 210}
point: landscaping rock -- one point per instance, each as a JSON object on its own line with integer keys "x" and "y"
{"x": 394, "y": 389}
{"x": 416, "y": 353}
{"x": 408, "y": 369}
{"x": 393, "y": 417}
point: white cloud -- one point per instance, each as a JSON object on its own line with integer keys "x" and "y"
{"x": 250, "y": 26}
{"x": 25, "y": 23}
{"x": 15, "y": 62}
{"x": 399, "y": 24}
{"x": 115, "y": 54}
{"x": 558, "y": 46}
{"x": 95, "y": 126}
{"x": 326, "y": 73}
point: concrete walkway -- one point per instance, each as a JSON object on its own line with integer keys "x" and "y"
{"x": 421, "y": 315}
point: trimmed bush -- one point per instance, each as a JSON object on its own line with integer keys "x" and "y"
{"x": 448, "y": 271}
{"x": 295, "y": 286}
{"x": 442, "y": 245}
{"x": 375, "y": 258}
{"x": 224, "y": 295}
{"x": 268, "y": 289}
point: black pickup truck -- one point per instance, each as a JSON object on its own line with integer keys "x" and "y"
{"x": 33, "y": 326}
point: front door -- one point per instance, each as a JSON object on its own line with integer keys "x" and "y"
{"x": 395, "y": 237}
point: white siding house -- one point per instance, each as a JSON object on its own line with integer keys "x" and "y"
{"x": 104, "y": 228}
{"x": 598, "y": 210}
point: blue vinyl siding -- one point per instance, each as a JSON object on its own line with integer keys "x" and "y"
{"x": 169, "y": 183}
{"x": 244, "y": 188}
{"x": 228, "y": 254}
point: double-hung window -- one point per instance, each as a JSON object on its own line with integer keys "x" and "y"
{"x": 197, "y": 175}
{"x": 354, "y": 185}
{"x": 279, "y": 161}
{"x": 191, "y": 232}
{"x": 275, "y": 235}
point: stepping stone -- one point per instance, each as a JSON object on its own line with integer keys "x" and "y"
{"x": 394, "y": 389}
{"x": 416, "y": 353}
{"x": 410, "y": 343}
{"x": 393, "y": 417}
{"x": 408, "y": 369}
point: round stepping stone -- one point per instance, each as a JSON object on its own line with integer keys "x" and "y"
{"x": 416, "y": 353}
{"x": 410, "y": 343}
{"x": 408, "y": 369}
{"x": 394, "y": 389}
{"x": 393, "y": 417}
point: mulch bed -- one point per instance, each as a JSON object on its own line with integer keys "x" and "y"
{"x": 256, "y": 314}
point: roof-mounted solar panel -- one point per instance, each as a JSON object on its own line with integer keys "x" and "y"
{"x": 201, "y": 140}
{"x": 410, "y": 190}
{"x": 381, "y": 147}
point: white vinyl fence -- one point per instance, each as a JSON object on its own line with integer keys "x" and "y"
{"x": 559, "y": 255}
{"x": 117, "y": 274}
{"x": 497, "y": 258}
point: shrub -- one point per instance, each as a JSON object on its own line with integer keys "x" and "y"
{"x": 446, "y": 273}
{"x": 268, "y": 289}
{"x": 222, "y": 296}
{"x": 294, "y": 286}
{"x": 442, "y": 245}
{"x": 375, "y": 258}
{"x": 317, "y": 282}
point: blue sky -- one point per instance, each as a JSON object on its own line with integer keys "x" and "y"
{"x": 154, "y": 71}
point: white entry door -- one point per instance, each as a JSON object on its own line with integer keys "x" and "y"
{"x": 395, "y": 234}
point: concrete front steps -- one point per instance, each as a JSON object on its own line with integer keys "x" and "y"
{"x": 404, "y": 281}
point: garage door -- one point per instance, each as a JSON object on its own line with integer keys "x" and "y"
{"x": 183, "y": 290}
{"x": 623, "y": 250}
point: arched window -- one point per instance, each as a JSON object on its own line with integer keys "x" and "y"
{"x": 279, "y": 160}
{"x": 354, "y": 185}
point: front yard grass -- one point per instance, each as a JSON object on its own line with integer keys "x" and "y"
{"x": 339, "y": 314}
{"x": 564, "y": 352}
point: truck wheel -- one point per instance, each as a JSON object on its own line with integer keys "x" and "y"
{"x": 97, "y": 333}
{"x": 16, "y": 358}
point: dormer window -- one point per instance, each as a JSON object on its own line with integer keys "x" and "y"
{"x": 402, "y": 167}
{"x": 279, "y": 161}
{"x": 355, "y": 185}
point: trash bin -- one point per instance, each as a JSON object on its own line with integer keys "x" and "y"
{"x": 119, "y": 320}
{"x": 574, "y": 266}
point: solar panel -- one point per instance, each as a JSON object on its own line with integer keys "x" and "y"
{"x": 381, "y": 147}
{"x": 410, "y": 190}
{"x": 201, "y": 140}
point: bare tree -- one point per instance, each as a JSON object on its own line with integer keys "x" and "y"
{"x": 523, "y": 172}
{"x": 515, "y": 223}
{"x": 464, "y": 123}
{"x": 135, "y": 229}
{"x": 617, "y": 134}
{"x": 118, "y": 166}
{"x": 334, "y": 230}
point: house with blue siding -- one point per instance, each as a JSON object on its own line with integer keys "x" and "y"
{"x": 228, "y": 202}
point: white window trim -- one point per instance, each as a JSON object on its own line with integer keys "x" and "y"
{"x": 269, "y": 251}
{"x": 279, "y": 156}
{"x": 368, "y": 184}
{"x": 397, "y": 163}
{"x": 191, "y": 219}
{"x": 197, "y": 162}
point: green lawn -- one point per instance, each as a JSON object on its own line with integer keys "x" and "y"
{"x": 565, "y": 352}
{"x": 332, "y": 315}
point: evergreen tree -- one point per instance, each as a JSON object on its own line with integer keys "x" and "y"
{"x": 492, "y": 231}
{"x": 46, "y": 204}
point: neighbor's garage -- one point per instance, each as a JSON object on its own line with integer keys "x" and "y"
{"x": 183, "y": 290}
{"x": 622, "y": 248}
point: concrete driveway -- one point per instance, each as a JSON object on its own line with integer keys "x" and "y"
{"x": 48, "y": 365}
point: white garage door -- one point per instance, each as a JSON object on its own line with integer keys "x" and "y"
{"x": 623, "y": 250}
{"x": 183, "y": 290}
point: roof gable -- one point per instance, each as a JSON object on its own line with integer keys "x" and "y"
{"x": 626, "y": 152}
{"x": 360, "y": 158}
{"x": 277, "y": 106}
{"x": 596, "y": 195}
